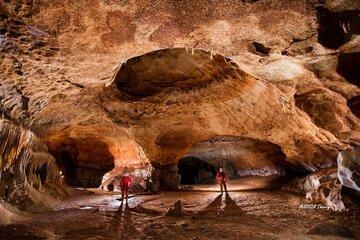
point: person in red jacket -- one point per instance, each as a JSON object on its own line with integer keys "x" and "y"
{"x": 221, "y": 178}
{"x": 125, "y": 184}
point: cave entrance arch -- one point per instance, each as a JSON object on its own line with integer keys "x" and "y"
{"x": 68, "y": 166}
{"x": 193, "y": 170}
{"x": 83, "y": 163}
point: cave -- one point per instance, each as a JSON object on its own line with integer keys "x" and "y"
{"x": 195, "y": 171}
{"x": 168, "y": 92}
{"x": 239, "y": 156}
{"x": 260, "y": 49}
{"x": 336, "y": 28}
{"x": 155, "y": 72}
{"x": 75, "y": 159}
{"x": 67, "y": 164}
{"x": 354, "y": 105}
{"x": 348, "y": 67}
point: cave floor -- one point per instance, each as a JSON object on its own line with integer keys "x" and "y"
{"x": 252, "y": 214}
{"x": 243, "y": 183}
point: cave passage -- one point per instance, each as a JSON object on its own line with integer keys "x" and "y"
{"x": 354, "y": 105}
{"x": 41, "y": 172}
{"x": 195, "y": 171}
{"x": 68, "y": 166}
{"x": 336, "y": 28}
{"x": 348, "y": 67}
{"x": 80, "y": 173}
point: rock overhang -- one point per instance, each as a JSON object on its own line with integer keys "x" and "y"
{"x": 172, "y": 68}
{"x": 167, "y": 100}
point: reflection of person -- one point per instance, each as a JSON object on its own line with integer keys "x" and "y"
{"x": 221, "y": 178}
{"x": 125, "y": 184}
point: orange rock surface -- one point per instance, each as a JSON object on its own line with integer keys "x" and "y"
{"x": 138, "y": 82}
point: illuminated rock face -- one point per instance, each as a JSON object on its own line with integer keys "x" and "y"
{"x": 223, "y": 113}
{"x": 86, "y": 154}
{"x": 349, "y": 168}
{"x": 29, "y": 176}
{"x": 264, "y": 72}
{"x": 167, "y": 70}
{"x": 321, "y": 187}
{"x": 241, "y": 156}
{"x": 177, "y": 118}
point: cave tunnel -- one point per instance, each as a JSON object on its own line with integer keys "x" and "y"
{"x": 196, "y": 171}
{"x": 84, "y": 165}
{"x": 348, "y": 67}
{"x": 354, "y": 105}
{"x": 67, "y": 164}
{"x": 336, "y": 28}
{"x": 240, "y": 157}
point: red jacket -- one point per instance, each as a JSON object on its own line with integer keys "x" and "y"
{"x": 221, "y": 177}
{"x": 125, "y": 182}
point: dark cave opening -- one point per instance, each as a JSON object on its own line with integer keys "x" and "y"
{"x": 195, "y": 171}
{"x": 83, "y": 170}
{"x": 354, "y": 105}
{"x": 68, "y": 166}
{"x": 336, "y": 28}
{"x": 348, "y": 67}
{"x": 260, "y": 49}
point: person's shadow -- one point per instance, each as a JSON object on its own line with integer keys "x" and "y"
{"x": 214, "y": 206}
{"x": 231, "y": 206}
{"x": 222, "y": 204}
{"x": 122, "y": 222}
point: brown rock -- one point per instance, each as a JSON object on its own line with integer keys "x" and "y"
{"x": 300, "y": 107}
{"x": 322, "y": 187}
{"x": 30, "y": 179}
{"x": 175, "y": 211}
{"x": 331, "y": 228}
{"x": 349, "y": 168}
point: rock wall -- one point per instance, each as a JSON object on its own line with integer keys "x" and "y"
{"x": 167, "y": 124}
{"x": 326, "y": 185}
{"x": 349, "y": 168}
{"x": 241, "y": 156}
{"x": 262, "y": 70}
{"x": 322, "y": 187}
{"x": 29, "y": 177}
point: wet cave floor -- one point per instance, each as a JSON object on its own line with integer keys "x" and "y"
{"x": 246, "y": 214}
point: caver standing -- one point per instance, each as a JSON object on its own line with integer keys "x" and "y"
{"x": 124, "y": 183}
{"x": 221, "y": 178}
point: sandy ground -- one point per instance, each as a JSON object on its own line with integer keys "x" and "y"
{"x": 251, "y": 214}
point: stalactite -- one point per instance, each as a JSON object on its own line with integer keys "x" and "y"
{"x": 22, "y": 155}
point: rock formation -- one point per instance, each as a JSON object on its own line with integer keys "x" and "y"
{"x": 30, "y": 178}
{"x": 321, "y": 187}
{"x": 176, "y": 211}
{"x": 349, "y": 168}
{"x": 263, "y": 86}
{"x": 331, "y": 228}
{"x": 159, "y": 123}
